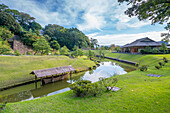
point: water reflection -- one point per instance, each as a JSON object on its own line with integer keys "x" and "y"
{"x": 28, "y": 92}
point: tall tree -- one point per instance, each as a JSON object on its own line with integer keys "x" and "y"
{"x": 9, "y": 21}
{"x": 158, "y": 11}
{"x": 41, "y": 45}
{"x": 55, "y": 45}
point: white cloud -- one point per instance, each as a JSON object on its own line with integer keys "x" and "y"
{"x": 95, "y": 13}
{"x": 121, "y": 39}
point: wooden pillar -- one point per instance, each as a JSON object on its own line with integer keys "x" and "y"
{"x": 70, "y": 75}
{"x": 35, "y": 81}
{"x": 52, "y": 79}
{"x": 41, "y": 81}
{"x": 62, "y": 77}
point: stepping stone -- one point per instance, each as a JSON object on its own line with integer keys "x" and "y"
{"x": 115, "y": 89}
{"x": 153, "y": 75}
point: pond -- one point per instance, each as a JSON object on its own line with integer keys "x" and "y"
{"x": 29, "y": 91}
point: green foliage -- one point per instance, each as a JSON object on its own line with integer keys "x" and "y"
{"x": 93, "y": 42}
{"x": 77, "y": 52}
{"x": 137, "y": 64}
{"x": 28, "y": 38}
{"x": 85, "y": 87}
{"x": 67, "y": 37}
{"x": 165, "y": 59}
{"x": 29, "y": 53}
{"x": 158, "y": 67}
{"x": 55, "y": 45}
{"x": 4, "y": 49}
{"x": 163, "y": 48}
{"x": 64, "y": 51}
{"x": 108, "y": 82}
{"x": 91, "y": 54}
{"x": 5, "y": 34}
{"x": 117, "y": 49}
{"x": 144, "y": 68}
{"x": 57, "y": 53}
{"x": 8, "y": 21}
{"x": 80, "y": 88}
{"x": 17, "y": 53}
{"x": 41, "y": 45}
{"x": 155, "y": 10}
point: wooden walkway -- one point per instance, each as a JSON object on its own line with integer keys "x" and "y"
{"x": 124, "y": 61}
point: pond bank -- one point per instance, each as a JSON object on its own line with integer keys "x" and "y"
{"x": 15, "y": 69}
{"x": 139, "y": 93}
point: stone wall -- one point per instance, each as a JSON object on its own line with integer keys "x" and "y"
{"x": 18, "y": 45}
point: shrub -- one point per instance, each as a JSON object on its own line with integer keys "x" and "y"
{"x": 136, "y": 64}
{"x": 80, "y": 88}
{"x": 85, "y": 87}
{"x": 29, "y": 53}
{"x": 17, "y": 53}
{"x": 107, "y": 82}
{"x": 165, "y": 60}
{"x": 76, "y": 71}
{"x": 144, "y": 68}
{"x": 157, "y": 67}
{"x": 94, "y": 67}
{"x": 160, "y": 63}
{"x": 90, "y": 68}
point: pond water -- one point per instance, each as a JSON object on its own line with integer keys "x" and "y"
{"x": 29, "y": 91}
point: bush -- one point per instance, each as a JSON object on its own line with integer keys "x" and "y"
{"x": 76, "y": 71}
{"x": 80, "y": 88}
{"x": 157, "y": 67}
{"x": 17, "y": 53}
{"x": 107, "y": 82}
{"x": 144, "y": 68}
{"x": 136, "y": 64}
{"x": 160, "y": 63}
{"x": 29, "y": 53}
{"x": 90, "y": 68}
{"x": 165, "y": 60}
{"x": 85, "y": 87}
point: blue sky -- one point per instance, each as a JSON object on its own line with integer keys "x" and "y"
{"x": 103, "y": 20}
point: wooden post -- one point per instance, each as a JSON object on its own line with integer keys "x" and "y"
{"x": 35, "y": 81}
{"x": 52, "y": 79}
{"x": 41, "y": 81}
{"x": 70, "y": 75}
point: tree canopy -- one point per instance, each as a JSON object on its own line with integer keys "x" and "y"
{"x": 158, "y": 11}
{"x": 67, "y": 37}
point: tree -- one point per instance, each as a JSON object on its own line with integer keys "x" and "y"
{"x": 117, "y": 49}
{"x": 91, "y": 54}
{"x": 9, "y": 21}
{"x": 155, "y": 10}
{"x": 41, "y": 45}
{"x": 5, "y": 34}
{"x": 67, "y": 37}
{"x": 28, "y": 38}
{"x": 55, "y": 45}
{"x": 112, "y": 47}
{"x": 163, "y": 48}
{"x": 93, "y": 42}
{"x": 64, "y": 51}
{"x": 4, "y": 49}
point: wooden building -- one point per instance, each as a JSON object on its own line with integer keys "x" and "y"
{"x": 52, "y": 74}
{"x": 139, "y": 44}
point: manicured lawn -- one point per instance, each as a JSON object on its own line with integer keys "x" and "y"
{"x": 16, "y": 69}
{"x": 139, "y": 94}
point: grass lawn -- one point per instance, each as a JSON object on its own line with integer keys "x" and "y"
{"x": 139, "y": 93}
{"x": 16, "y": 69}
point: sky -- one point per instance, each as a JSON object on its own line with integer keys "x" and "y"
{"x": 103, "y": 20}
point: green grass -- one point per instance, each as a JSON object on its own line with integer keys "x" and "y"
{"x": 16, "y": 69}
{"x": 139, "y": 94}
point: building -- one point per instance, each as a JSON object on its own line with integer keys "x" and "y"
{"x": 139, "y": 44}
